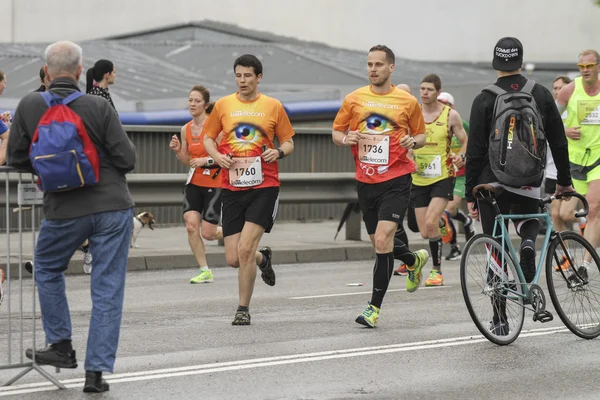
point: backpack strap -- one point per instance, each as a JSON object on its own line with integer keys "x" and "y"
{"x": 50, "y": 98}
{"x": 72, "y": 97}
{"x": 495, "y": 89}
{"x": 53, "y": 99}
{"x": 528, "y": 86}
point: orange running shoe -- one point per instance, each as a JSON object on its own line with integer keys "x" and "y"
{"x": 564, "y": 264}
{"x": 435, "y": 279}
{"x": 446, "y": 230}
{"x": 402, "y": 271}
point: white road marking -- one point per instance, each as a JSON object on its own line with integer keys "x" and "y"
{"x": 268, "y": 362}
{"x": 319, "y": 296}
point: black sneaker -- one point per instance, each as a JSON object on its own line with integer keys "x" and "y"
{"x": 29, "y": 266}
{"x": 94, "y": 383}
{"x": 268, "y": 275}
{"x": 469, "y": 229}
{"x": 577, "y": 279}
{"x": 499, "y": 328}
{"x": 51, "y": 356}
{"x": 454, "y": 253}
{"x": 241, "y": 318}
{"x": 528, "y": 259}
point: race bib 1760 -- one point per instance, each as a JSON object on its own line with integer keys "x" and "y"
{"x": 374, "y": 149}
{"x": 246, "y": 172}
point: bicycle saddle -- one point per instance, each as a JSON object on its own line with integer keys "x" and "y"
{"x": 485, "y": 191}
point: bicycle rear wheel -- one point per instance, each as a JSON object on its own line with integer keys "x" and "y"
{"x": 573, "y": 287}
{"x": 492, "y": 290}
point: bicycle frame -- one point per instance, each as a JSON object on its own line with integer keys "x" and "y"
{"x": 500, "y": 224}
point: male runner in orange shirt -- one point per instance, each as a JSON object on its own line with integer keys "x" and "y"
{"x": 381, "y": 123}
{"x": 249, "y": 121}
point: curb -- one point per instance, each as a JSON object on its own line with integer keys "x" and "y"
{"x": 360, "y": 252}
{"x": 217, "y": 260}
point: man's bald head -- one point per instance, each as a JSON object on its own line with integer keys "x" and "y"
{"x": 404, "y": 87}
{"x": 63, "y": 59}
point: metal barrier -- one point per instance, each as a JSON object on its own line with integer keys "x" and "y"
{"x": 20, "y": 194}
{"x": 296, "y": 188}
{"x": 314, "y": 152}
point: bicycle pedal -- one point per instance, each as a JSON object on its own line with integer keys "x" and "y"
{"x": 543, "y": 316}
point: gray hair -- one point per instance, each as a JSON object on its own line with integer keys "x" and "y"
{"x": 63, "y": 57}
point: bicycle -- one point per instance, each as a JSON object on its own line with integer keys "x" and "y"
{"x": 490, "y": 276}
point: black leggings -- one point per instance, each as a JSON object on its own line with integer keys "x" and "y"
{"x": 511, "y": 203}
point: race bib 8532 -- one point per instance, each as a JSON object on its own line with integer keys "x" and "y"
{"x": 588, "y": 112}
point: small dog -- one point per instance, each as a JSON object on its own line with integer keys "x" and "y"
{"x": 139, "y": 222}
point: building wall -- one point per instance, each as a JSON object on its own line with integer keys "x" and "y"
{"x": 436, "y": 30}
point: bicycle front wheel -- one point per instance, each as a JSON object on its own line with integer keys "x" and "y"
{"x": 573, "y": 277}
{"x": 492, "y": 290}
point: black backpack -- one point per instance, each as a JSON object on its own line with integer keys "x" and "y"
{"x": 517, "y": 143}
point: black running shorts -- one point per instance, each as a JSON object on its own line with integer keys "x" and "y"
{"x": 258, "y": 206}
{"x": 385, "y": 201}
{"x": 206, "y": 201}
{"x": 421, "y": 196}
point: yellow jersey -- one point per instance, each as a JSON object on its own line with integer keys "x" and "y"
{"x": 433, "y": 160}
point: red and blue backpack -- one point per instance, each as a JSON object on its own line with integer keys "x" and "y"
{"x": 62, "y": 154}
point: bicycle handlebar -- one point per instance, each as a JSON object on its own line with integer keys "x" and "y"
{"x": 586, "y": 208}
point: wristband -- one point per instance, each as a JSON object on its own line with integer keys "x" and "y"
{"x": 344, "y": 140}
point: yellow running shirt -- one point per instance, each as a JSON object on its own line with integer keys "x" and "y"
{"x": 433, "y": 163}
{"x": 584, "y": 111}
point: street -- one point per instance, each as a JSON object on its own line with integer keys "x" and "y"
{"x": 177, "y": 342}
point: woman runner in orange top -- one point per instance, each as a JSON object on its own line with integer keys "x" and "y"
{"x": 202, "y": 193}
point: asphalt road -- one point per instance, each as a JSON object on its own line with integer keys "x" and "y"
{"x": 177, "y": 342}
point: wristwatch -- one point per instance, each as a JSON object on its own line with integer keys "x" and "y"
{"x": 414, "y": 141}
{"x": 281, "y": 154}
{"x": 210, "y": 161}
{"x": 462, "y": 156}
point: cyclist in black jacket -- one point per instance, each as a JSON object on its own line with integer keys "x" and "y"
{"x": 508, "y": 61}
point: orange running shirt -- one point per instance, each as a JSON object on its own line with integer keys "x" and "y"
{"x": 382, "y": 119}
{"x": 247, "y": 128}
{"x": 201, "y": 176}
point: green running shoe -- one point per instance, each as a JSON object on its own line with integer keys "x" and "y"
{"x": 415, "y": 273}
{"x": 204, "y": 277}
{"x": 369, "y": 317}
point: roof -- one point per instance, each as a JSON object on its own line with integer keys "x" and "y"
{"x": 156, "y": 69}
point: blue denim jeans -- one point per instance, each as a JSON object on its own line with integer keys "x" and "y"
{"x": 109, "y": 234}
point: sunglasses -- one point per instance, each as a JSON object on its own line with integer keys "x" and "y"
{"x": 587, "y": 66}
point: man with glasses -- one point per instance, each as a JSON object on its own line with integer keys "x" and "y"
{"x": 581, "y": 99}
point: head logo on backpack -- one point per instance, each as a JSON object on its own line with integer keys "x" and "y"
{"x": 62, "y": 153}
{"x": 517, "y": 142}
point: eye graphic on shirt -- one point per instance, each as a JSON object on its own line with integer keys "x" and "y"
{"x": 247, "y": 138}
{"x": 247, "y": 132}
{"x": 377, "y": 124}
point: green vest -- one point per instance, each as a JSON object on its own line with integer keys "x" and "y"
{"x": 584, "y": 111}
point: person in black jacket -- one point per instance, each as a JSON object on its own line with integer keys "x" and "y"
{"x": 102, "y": 212}
{"x": 508, "y": 61}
